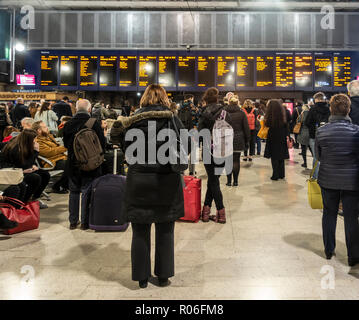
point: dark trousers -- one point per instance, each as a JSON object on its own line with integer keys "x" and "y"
{"x": 236, "y": 168}
{"x": 63, "y": 181}
{"x": 278, "y": 169}
{"x": 252, "y": 144}
{"x": 17, "y": 192}
{"x": 350, "y": 199}
{"x": 304, "y": 152}
{"x": 74, "y": 200}
{"x": 36, "y": 184}
{"x": 259, "y": 145}
{"x": 213, "y": 188}
{"x": 141, "y": 250}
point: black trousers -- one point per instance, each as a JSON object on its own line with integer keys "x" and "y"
{"x": 236, "y": 168}
{"x": 252, "y": 144}
{"x": 304, "y": 152}
{"x": 213, "y": 188}
{"x": 141, "y": 251}
{"x": 350, "y": 199}
{"x": 278, "y": 169}
{"x": 36, "y": 183}
{"x": 64, "y": 180}
{"x": 17, "y": 192}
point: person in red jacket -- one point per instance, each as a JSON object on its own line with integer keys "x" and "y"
{"x": 252, "y": 114}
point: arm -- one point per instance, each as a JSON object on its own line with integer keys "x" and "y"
{"x": 53, "y": 115}
{"x": 49, "y": 152}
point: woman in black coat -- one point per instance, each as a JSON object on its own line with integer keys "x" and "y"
{"x": 276, "y": 146}
{"x": 241, "y": 138}
{"x": 154, "y": 191}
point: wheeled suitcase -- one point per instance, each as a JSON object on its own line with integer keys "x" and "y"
{"x": 192, "y": 198}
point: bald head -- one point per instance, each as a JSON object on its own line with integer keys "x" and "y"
{"x": 83, "y": 105}
{"x": 353, "y": 88}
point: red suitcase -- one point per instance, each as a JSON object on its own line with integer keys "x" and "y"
{"x": 192, "y": 199}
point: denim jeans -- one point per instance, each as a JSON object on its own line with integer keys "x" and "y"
{"x": 312, "y": 146}
{"x": 74, "y": 200}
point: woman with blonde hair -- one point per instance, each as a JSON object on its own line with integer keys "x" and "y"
{"x": 252, "y": 114}
{"x": 153, "y": 192}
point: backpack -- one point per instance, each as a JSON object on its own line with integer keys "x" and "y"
{"x": 96, "y": 113}
{"x": 251, "y": 119}
{"x": 3, "y": 118}
{"x": 185, "y": 115}
{"x": 87, "y": 148}
{"x": 222, "y": 134}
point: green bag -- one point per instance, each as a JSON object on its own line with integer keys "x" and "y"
{"x": 314, "y": 192}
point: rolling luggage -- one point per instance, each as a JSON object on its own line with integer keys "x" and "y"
{"x": 192, "y": 199}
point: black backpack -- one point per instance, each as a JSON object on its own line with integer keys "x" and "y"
{"x": 185, "y": 115}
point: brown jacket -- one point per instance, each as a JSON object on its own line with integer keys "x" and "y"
{"x": 51, "y": 150}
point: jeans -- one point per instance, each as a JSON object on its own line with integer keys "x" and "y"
{"x": 350, "y": 200}
{"x": 213, "y": 188}
{"x": 141, "y": 250}
{"x": 74, "y": 200}
{"x": 312, "y": 146}
{"x": 278, "y": 169}
{"x": 259, "y": 145}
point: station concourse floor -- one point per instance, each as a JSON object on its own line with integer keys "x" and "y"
{"x": 270, "y": 248}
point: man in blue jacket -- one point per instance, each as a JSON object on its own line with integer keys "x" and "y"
{"x": 353, "y": 90}
{"x": 337, "y": 145}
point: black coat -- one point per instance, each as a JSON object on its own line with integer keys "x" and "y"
{"x": 317, "y": 114}
{"x": 70, "y": 129}
{"x": 276, "y": 145}
{"x": 210, "y": 115}
{"x": 62, "y": 109}
{"x": 337, "y": 145}
{"x": 354, "y": 111}
{"x": 240, "y": 127}
{"x": 154, "y": 192}
{"x": 18, "y": 113}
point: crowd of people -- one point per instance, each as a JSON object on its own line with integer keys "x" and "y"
{"x": 42, "y": 137}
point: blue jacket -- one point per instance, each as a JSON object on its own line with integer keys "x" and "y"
{"x": 354, "y": 112}
{"x": 337, "y": 145}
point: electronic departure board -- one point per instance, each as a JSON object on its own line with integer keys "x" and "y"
{"x": 68, "y": 71}
{"x": 88, "y": 71}
{"x": 186, "y": 71}
{"x": 284, "y": 71}
{"x": 206, "y": 71}
{"x": 225, "y": 71}
{"x": 108, "y": 71}
{"x": 49, "y": 68}
{"x": 265, "y": 71}
{"x": 323, "y": 72}
{"x": 245, "y": 72}
{"x": 146, "y": 71}
{"x": 304, "y": 71}
{"x": 342, "y": 71}
{"x": 167, "y": 71}
{"x": 128, "y": 71}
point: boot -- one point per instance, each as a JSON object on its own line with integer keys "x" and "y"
{"x": 205, "y": 213}
{"x": 220, "y": 217}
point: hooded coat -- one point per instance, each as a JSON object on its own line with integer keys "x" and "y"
{"x": 154, "y": 192}
{"x": 318, "y": 114}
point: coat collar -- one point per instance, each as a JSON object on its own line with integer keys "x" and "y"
{"x": 335, "y": 118}
{"x": 145, "y": 115}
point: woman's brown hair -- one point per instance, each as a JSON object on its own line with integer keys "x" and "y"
{"x": 154, "y": 94}
{"x": 211, "y": 95}
{"x": 25, "y": 142}
{"x": 9, "y": 130}
{"x": 248, "y": 104}
{"x": 44, "y": 107}
{"x": 275, "y": 116}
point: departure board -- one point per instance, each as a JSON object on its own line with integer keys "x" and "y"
{"x": 68, "y": 71}
{"x": 186, "y": 71}
{"x": 108, "y": 68}
{"x": 342, "y": 71}
{"x": 128, "y": 71}
{"x": 88, "y": 71}
{"x": 225, "y": 71}
{"x": 304, "y": 71}
{"x": 245, "y": 72}
{"x": 167, "y": 71}
{"x": 146, "y": 71}
{"x": 265, "y": 71}
{"x": 206, "y": 71}
{"x": 49, "y": 67}
{"x": 323, "y": 72}
{"x": 284, "y": 71}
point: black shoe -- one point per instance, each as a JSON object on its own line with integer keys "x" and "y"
{"x": 228, "y": 184}
{"x": 235, "y": 184}
{"x": 250, "y": 159}
{"x": 60, "y": 190}
{"x": 300, "y": 154}
{"x": 191, "y": 173}
{"x": 329, "y": 255}
{"x": 352, "y": 262}
{"x": 245, "y": 159}
{"x": 304, "y": 165}
{"x": 163, "y": 282}
{"x": 274, "y": 179}
{"x": 6, "y": 224}
{"x": 258, "y": 154}
{"x": 74, "y": 225}
{"x": 143, "y": 283}
{"x": 84, "y": 226}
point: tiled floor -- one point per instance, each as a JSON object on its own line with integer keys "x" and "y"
{"x": 270, "y": 248}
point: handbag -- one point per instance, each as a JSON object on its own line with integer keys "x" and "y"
{"x": 298, "y": 125}
{"x": 11, "y": 176}
{"x": 263, "y": 131}
{"x": 314, "y": 192}
{"x": 27, "y": 217}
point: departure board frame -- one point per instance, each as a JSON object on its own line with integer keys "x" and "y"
{"x": 146, "y": 54}
{"x": 109, "y": 88}
{"x": 33, "y": 66}
{"x": 39, "y": 79}
{"x": 168, "y": 54}
{"x": 323, "y": 55}
{"x": 90, "y": 57}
